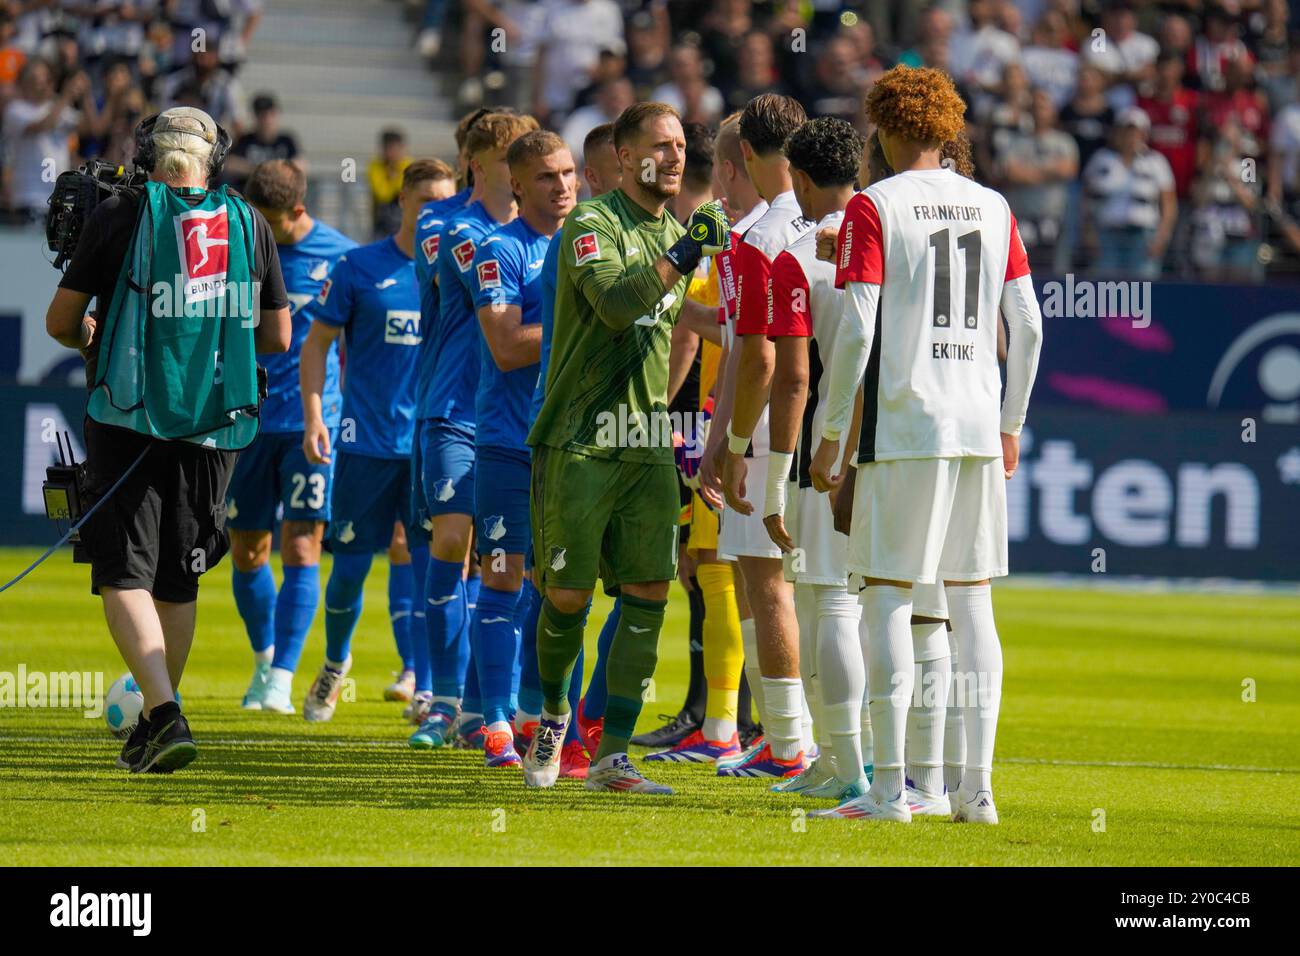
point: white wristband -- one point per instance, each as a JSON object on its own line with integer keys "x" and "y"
{"x": 736, "y": 444}
{"x": 778, "y": 476}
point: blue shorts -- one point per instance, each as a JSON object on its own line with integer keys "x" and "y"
{"x": 370, "y": 494}
{"x": 501, "y": 500}
{"x": 273, "y": 473}
{"x": 447, "y": 464}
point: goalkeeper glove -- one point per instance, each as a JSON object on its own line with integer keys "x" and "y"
{"x": 688, "y": 452}
{"x": 707, "y": 234}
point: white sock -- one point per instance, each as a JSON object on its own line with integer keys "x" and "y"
{"x": 334, "y": 665}
{"x": 280, "y": 679}
{"x": 977, "y": 679}
{"x": 264, "y": 656}
{"x": 933, "y": 674}
{"x": 868, "y": 737}
{"x": 784, "y": 696}
{"x": 887, "y": 615}
{"x": 954, "y": 732}
{"x": 500, "y": 727}
{"x": 805, "y": 610}
{"x": 843, "y": 678}
{"x": 753, "y": 673}
{"x": 718, "y": 728}
{"x": 522, "y": 719}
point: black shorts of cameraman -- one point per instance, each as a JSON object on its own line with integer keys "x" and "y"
{"x": 166, "y": 525}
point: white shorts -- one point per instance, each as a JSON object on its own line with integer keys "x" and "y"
{"x": 928, "y": 600}
{"x": 929, "y": 520}
{"x": 822, "y": 555}
{"x": 745, "y": 536}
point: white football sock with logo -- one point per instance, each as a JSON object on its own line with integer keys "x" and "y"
{"x": 887, "y": 615}
{"x": 977, "y": 679}
{"x": 933, "y": 674}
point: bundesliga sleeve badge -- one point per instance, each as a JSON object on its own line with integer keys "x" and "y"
{"x": 489, "y": 274}
{"x": 585, "y": 248}
{"x": 464, "y": 253}
{"x": 430, "y": 248}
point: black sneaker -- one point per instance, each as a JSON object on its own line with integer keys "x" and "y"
{"x": 749, "y": 734}
{"x": 169, "y": 746}
{"x": 134, "y": 746}
{"x": 670, "y": 734}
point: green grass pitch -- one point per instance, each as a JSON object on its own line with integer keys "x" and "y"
{"x": 1124, "y": 740}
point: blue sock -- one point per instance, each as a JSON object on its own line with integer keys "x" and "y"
{"x": 419, "y": 621}
{"x": 593, "y": 704}
{"x": 255, "y": 599}
{"x": 444, "y": 623}
{"x": 295, "y": 609}
{"x": 530, "y": 685}
{"x": 343, "y": 596}
{"x": 473, "y": 701}
{"x": 401, "y": 588}
{"x": 495, "y": 650}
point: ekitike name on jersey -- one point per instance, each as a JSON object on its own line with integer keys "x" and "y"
{"x": 934, "y": 211}
{"x": 73, "y": 909}
{"x": 952, "y": 351}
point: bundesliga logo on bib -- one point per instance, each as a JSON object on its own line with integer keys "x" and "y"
{"x": 203, "y": 239}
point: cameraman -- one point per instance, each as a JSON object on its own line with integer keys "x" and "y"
{"x": 169, "y": 353}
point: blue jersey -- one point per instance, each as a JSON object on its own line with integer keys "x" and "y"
{"x": 433, "y": 217}
{"x": 507, "y": 271}
{"x": 455, "y": 365}
{"x": 550, "y": 275}
{"x": 372, "y": 297}
{"x": 306, "y": 265}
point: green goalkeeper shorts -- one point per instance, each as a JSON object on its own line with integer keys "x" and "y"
{"x": 599, "y": 516}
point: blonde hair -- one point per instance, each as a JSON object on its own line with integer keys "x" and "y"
{"x": 181, "y": 155}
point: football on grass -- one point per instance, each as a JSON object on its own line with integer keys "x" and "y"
{"x": 122, "y": 706}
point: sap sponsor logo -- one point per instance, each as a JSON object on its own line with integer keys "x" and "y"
{"x": 402, "y": 327}
{"x": 77, "y": 909}
{"x": 1133, "y": 503}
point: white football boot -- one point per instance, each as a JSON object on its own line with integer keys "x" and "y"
{"x": 323, "y": 695}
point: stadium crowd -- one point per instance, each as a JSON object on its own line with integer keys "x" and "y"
{"x": 1150, "y": 137}
{"x": 1156, "y": 137}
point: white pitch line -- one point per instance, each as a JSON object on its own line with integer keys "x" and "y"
{"x": 400, "y": 745}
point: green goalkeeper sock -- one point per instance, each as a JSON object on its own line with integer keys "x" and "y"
{"x": 559, "y": 638}
{"x": 629, "y": 668}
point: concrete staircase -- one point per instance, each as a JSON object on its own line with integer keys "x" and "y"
{"x": 343, "y": 70}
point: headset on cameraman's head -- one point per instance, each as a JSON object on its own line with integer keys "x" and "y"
{"x": 146, "y": 151}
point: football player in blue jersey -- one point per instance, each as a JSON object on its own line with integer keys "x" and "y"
{"x": 433, "y": 217}
{"x": 371, "y": 300}
{"x": 273, "y": 472}
{"x": 508, "y": 302}
{"x": 447, "y": 445}
{"x": 603, "y": 172}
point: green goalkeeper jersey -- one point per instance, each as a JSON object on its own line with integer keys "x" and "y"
{"x": 607, "y": 383}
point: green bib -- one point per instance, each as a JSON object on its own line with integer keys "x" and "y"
{"x": 176, "y": 357}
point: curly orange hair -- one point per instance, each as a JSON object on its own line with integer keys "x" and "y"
{"x": 918, "y": 103}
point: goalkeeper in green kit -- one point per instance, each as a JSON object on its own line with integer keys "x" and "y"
{"x": 604, "y": 486}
